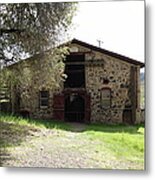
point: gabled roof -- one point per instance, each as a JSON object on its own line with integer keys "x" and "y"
{"x": 110, "y": 53}
{"x": 95, "y": 48}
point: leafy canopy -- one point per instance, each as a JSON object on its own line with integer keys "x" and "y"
{"x": 32, "y": 27}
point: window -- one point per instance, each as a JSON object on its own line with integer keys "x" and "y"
{"x": 106, "y": 98}
{"x": 44, "y": 96}
{"x": 105, "y": 81}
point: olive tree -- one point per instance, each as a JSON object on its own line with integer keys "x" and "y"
{"x": 32, "y": 27}
{"x": 27, "y": 29}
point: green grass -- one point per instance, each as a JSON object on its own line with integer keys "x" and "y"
{"x": 50, "y": 124}
{"x": 17, "y": 128}
{"x": 122, "y": 143}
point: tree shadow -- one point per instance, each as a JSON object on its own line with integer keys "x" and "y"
{"x": 106, "y": 128}
{"x": 12, "y": 135}
{"x": 83, "y": 127}
{"x": 80, "y": 127}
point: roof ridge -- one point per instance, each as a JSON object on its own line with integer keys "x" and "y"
{"x": 111, "y": 53}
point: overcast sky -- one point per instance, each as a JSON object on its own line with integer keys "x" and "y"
{"x": 119, "y": 24}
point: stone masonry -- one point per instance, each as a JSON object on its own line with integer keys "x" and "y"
{"x": 101, "y": 71}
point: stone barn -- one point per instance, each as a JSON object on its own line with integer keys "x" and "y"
{"x": 101, "y": 87}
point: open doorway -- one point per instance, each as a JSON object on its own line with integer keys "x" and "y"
{"x": 75, "y": 70}
{"x": 74, "y": 108}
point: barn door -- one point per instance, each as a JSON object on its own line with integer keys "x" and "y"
{"x": 58, "y": 107}
{"x": 87, "y": 108}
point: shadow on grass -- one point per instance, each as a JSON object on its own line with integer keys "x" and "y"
{"x": 12, "y": 135}
{"x": 50, "y": 124}
{"x": 81, "y": 127}
{"x": 73, "y": 126}
{"x": 15, "y": 130}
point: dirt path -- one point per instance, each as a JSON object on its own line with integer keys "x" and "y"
{"x": 77, "y": 127}
{"x": 52, "y": 148}
{"x": 55, "y": 149}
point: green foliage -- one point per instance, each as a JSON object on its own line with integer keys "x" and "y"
{"x": 27, "y": 77}
{"x": 30, "y": 29}
{"x": 33, "y": 27}
{"x": 50, "y": 69}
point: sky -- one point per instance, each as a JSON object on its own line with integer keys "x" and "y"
{"x": 119, "y": 25}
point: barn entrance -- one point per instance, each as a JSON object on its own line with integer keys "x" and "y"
{"x": 73, "y": 104}
{"x": 74, "y": 108}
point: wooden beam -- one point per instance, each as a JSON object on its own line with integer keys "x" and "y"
{"x": 8, "y": 31}
{"x": 88, "y": 62}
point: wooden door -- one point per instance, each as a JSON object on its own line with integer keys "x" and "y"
{"x": 58, "y": 107}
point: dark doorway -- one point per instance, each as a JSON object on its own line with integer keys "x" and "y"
{"x": 74, "y": 108}
{"x": 75, "y": 70}
{"x": 127, "y": 116}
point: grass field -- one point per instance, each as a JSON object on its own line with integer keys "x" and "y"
{"x": 40, "y": 143}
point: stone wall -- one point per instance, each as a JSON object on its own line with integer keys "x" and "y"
{"x": 41, "y": 112}
{"x": 29, "y": 92}
{"x": 111, "y": 73}
{"x": 118, "y": 76}
{"x": 101, "y": 71}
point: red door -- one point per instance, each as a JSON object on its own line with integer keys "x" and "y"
{"x": 58, "y": 107}
{"x": 87, "y": 108}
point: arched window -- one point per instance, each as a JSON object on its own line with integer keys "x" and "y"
{"x": 105, "y": 98}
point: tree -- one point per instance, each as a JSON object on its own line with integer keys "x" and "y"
{"x": 30, "y": 28}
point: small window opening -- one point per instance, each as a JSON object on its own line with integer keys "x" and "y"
{"x": 44, "y": 99}
{"x": 105, "y": 81}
